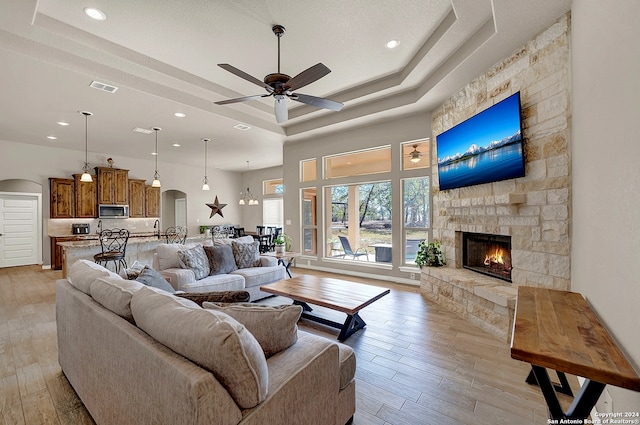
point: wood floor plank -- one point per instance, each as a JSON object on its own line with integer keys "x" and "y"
{"x": 416, "y": 362}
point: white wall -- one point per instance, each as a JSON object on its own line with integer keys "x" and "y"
{"x": 38, "y": 163}
{"x": 251, "y": 215}
{"x": 606, "y": 175}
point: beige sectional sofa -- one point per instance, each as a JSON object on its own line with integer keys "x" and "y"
{"x": 207, "y": 369}
{"x": 167, "y": 262}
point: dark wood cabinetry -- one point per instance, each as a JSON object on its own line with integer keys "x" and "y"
{"x": 62, "y": 198}
{"x": 137, "y": 198}
{"x": 113, "y": 186}
{"x": 85, "y": 193}
{"x": 57, "y": 251}
{"x": 152, "y": 200}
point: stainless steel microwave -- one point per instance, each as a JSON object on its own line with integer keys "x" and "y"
{"x": 113, "y": 211}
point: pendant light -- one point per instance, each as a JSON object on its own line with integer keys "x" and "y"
{"x": 86, "y": 170}
{"x": 205, "y": 182}
{"x": 247, "y": 197}
{"x": 156, "y": 176}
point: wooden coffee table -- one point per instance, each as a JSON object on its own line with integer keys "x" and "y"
{"x": 335, "y": 294}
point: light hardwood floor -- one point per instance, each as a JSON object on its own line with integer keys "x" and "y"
{"x": 416, "y": 362}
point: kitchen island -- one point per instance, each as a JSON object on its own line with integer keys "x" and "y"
{"x": 140, "y": 247}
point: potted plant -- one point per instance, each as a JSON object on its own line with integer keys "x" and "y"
{"x": 430, "y": 254}
{"x": 282, "y": 243}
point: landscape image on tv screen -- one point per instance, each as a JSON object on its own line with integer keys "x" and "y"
{"x": 485, "y": 148}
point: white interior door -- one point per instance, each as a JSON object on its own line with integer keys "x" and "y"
{"x": 20, "y": 243}
{"x": 181, "y": 212}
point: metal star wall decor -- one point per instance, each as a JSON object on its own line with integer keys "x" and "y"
{"x": 216, "y": 208}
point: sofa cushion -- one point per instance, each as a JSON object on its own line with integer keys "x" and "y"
{"x": 209, "y": 338}
{"x": 114, "y": 294}
{"x": 150, "y": 277}
{"x": 196, "y": 260}
{"x": 221, "y": 260}
{"x": 216, "y": 297}
{"x": 275, "y": 327}
{"x": 229, "y": 241}
{"x": 83, "y": 272}
{"x": 246, "y": 254}
{"x": 168, "y": 255}
{"x": 217, "y": 282}
{"x": 256, "y": 276}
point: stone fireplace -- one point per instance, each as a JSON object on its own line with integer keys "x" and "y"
{"x": 530, "y": 214}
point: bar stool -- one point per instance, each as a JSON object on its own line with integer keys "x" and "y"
{"x": 176, "y": 234}
{"x": 114, "y": 247}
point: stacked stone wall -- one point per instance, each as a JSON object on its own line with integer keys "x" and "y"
{"x": 534, "y": 210}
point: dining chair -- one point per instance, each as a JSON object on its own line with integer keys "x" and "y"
{"x": 114, "y": 247}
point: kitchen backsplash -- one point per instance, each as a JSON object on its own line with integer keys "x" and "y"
{"x": 62, "y": 226}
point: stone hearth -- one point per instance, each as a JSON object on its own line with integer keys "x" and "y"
{"x": 485, "y": 301}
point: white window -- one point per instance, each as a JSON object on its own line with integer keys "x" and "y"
{"x": 272, "y": 212}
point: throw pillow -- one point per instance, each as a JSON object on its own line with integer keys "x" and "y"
{"x": 154, "y": 279}
{"x": 195, "y": 260}
{"x": 221, "y": 260}
{"x": 209, "y": 338}
{"x": 216, "y": 297}
{"x": 168, "y": 255}
{"x": 275, "y": 328}
{"x": 246, "y": 254}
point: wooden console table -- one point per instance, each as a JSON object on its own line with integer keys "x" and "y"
{"x": 558, "y": 330}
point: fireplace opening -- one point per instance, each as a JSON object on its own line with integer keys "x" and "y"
{"x": 487, "y": 254}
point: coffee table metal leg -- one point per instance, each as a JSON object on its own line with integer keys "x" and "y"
{"x": 353, "y": 324}
{"x": 305, "y": 306}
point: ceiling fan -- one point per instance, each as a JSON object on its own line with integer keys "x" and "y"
{"x": 415, "y": 154}
{"x": 282, "y": 86}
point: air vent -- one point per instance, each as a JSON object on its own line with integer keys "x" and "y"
{"x": 241, "y": 127}
{"x": 103, "y": 86}
{"x": 142, "y": 130}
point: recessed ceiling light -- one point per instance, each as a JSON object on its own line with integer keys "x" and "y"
{"x": 180, "y": 114}
{"x": 176, "y": 145}
{"x": 62, "y": 123}
{"x": 392, "y": 44}
{"x": 51, "y": 137}
{"x": 94, "y": 13}
{"x": 154, "y": 153}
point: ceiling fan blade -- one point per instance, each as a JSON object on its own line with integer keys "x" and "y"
{"x": 307, "y": 76}
{"x": 318, "y": 102}
{"x": 240, "y": 99}
{"x": 235, "y": 71}
{"x": 280, "y": 107}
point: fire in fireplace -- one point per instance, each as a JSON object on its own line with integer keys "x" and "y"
{"x": 487, "y": 254}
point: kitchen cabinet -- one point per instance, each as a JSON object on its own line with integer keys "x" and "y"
{"x": 57, "y": 252}
{"x": 61, "y": 198}
{"x": 86, "y": 200}
{"x": 113, "y": 186}
{"x": 137, "y": 198}
{"x": 152, "y": 200}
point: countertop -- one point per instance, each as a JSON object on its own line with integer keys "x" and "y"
{"x": 135, "y": 238}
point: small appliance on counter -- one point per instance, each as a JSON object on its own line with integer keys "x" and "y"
{"x": 80, "y": 229}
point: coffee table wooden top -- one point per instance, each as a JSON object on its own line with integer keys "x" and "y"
{"x": 558, "y": 330}
{"x": 340, "y": 295}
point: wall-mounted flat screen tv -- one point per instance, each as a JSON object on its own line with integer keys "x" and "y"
{"x": 485, "y": 148}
